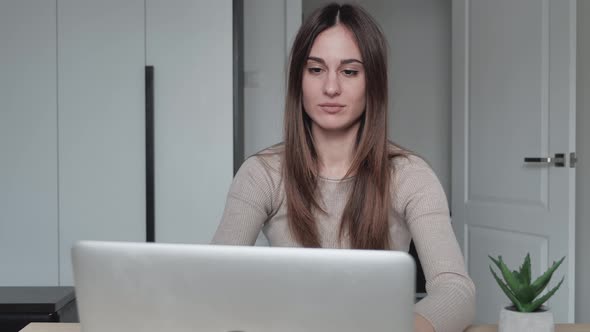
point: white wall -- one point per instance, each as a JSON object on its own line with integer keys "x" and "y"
{"x": 269, "y": 27}
{"x": 419, "y": 37}
{"x": 583, "y": 169}
{"x": 264, "y": 62}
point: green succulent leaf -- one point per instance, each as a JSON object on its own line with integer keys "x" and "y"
{"x": 511, "y": 280}
{"x": 507, "y": 291}
{"x": 525, "y": 270}
{"x": 516, "y": 275}
{"x": 539, "y": 288}
{"x": 538, "y": 302}
{"x": 526, "y": 294}
{"x": 540, "y": 283}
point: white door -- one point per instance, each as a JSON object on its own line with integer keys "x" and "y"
{"x": 514, "y": 97}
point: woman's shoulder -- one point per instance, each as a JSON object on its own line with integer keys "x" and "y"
{"x": 409, "y": 162}
{"x": 263, "y": 164}
{"x": 413, "y": 178}
{"x": 406, "y": 160}
{"x": 257, "y": 181}
{"x": 270, "y": 157}
{"x": 408, "y": 167}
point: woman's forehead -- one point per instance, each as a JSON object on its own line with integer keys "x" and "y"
{"x": 335, "y": 44}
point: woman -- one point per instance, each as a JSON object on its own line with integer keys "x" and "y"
{"x": 336, "y": 181}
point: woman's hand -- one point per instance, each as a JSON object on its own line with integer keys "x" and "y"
{"x": 421, "y": 324}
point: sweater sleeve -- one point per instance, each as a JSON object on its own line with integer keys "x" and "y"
{"x": 450, "y": 302}
{"x": 248, "y": 205}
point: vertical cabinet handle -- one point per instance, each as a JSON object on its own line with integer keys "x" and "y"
{"x": 150, "y": 226}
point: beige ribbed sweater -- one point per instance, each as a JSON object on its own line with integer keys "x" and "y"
{"x": 256, "y": 201}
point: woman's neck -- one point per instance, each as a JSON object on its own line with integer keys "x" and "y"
{"x": 335, "y": 150}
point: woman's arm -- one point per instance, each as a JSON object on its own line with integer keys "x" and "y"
{"x": 248, "y": 205}
{"x": 421, "y": 324}
{"x": 450, "y": 303}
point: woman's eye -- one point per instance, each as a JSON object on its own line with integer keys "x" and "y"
{"x": 314, "y": 70}
{"x": 349, "y": 72}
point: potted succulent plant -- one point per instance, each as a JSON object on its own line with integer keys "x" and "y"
{"x": 527, "y": 312}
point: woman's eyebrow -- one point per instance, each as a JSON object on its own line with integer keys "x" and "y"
{"x": 342, "y": 62}
{"x": 316, "y": 59}
{"x": 347, "y": 61}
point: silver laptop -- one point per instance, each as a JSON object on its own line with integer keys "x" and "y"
{"x": 133, "y": 287}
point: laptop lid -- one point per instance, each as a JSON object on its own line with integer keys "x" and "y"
{"x": 149, "y": 287}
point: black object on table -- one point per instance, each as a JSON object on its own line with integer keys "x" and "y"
{"x": 20, "y": 306}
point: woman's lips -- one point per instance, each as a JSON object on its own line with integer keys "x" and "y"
{"x": 331, "y": 108}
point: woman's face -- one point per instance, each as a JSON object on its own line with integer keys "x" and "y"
{"x": 334, "y": 80}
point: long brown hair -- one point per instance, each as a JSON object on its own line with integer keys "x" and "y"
{"x": 365, "y": 216}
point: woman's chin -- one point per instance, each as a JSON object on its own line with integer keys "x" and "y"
{"x": 336, "y": 127}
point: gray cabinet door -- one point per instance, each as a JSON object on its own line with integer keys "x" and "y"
{"x": 189, "y": 43}
{"x": 28, "y": 143}
{"x": 72, "y": 126}
{"x": 101, "y": 59}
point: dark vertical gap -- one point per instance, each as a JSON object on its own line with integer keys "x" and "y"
{"x": 149, "y": 155}
{"x": 420, "y": 278}
{"x": 238, "y": 82}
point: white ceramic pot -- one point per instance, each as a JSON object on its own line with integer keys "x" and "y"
{"x": 515, "y": 321}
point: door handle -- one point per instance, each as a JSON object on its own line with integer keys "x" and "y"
{"x": 546, "y": 160}
{"x": 558, "y": 160}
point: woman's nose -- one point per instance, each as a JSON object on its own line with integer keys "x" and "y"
{"x": 332, "y": 85}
